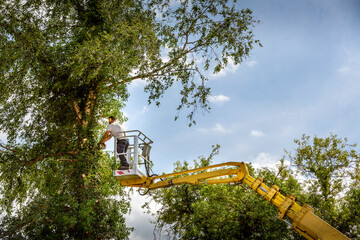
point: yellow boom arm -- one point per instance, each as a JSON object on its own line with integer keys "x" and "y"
{"x": 304, "y": 221}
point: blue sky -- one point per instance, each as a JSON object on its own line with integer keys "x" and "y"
{"x": 304, "y": 80}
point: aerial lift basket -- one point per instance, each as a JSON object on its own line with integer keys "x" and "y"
{"x": 138, "y": 156}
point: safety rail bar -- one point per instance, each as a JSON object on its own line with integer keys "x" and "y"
{"x": 137, "y": 141}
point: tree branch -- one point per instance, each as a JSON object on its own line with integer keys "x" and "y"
{"x": 90, "y": 103}
{"x": 78, "y": 112}
{"x": 66, "y": 159}
{"x": 49, "y": 156}
{"x": 9, "y": 149}
{"x": 155, "y": 71}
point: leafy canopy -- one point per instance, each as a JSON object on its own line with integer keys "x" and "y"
{"x": 329, "y": 182}
{"x": 222, "y": 211}
{"x": 331, "y": 166}
{"x": 67, "y": 64}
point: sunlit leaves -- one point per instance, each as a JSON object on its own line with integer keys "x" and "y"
{"x": 220, "y": 211}
{"x": 329, "y": 184}
{"x": 330, "y": 165}
{"x": 67, "y": 64}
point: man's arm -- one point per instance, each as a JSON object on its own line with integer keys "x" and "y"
{"x": 107, "y": 136}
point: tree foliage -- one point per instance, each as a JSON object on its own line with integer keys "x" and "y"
{"x": 222, "y": 211}
{"x": 330, "y": 167}
{"x": 64, "y": 66}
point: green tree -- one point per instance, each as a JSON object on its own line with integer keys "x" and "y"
{"x": 64, "y": 66}
{"x": 331, "y": 170}
{"x": 223, "y": 211}
{"x": 331, "y": 167}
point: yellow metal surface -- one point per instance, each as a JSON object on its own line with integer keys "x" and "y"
{"x": 316, "y": 228}
{"x": 202, "y": 176}
{"x": 271, "y": 193}
{"x": 129, "y": 177}
{"x": 299, "y": 216}
{"x": 304, "y": 221}
{"x": 195, "y": 179}
{"x": 285, "y": 206}
{"x": 257, "y": 183}
{"x": 134, "y": 182}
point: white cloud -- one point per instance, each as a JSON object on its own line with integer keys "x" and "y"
{"x": 350, "y": 68}
{"x": 139, "y": 219}
{"x": 343, "y": 69}
{"x": 145, "y": 109}
{"x": 256, "y": 133}
{"x": 232, "y": 68}
{"x": 351, "y": 65}
{"x": 218, "y": 128}
{"x": 251, "y": 63}
{"x": 137, "y": 83}
{"x": 287, "y": 131}
{"x": 218, "y": 99}
{"x": 264, "y": 159}
{"x": 346, "y": 88}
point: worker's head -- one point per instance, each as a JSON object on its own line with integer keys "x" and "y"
{"x": 112, "y": 119}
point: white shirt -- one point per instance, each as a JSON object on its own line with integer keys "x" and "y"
{"x": 116, "y": 129}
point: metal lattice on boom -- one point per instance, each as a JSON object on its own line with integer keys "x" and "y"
{"x": 302, "y": 218}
